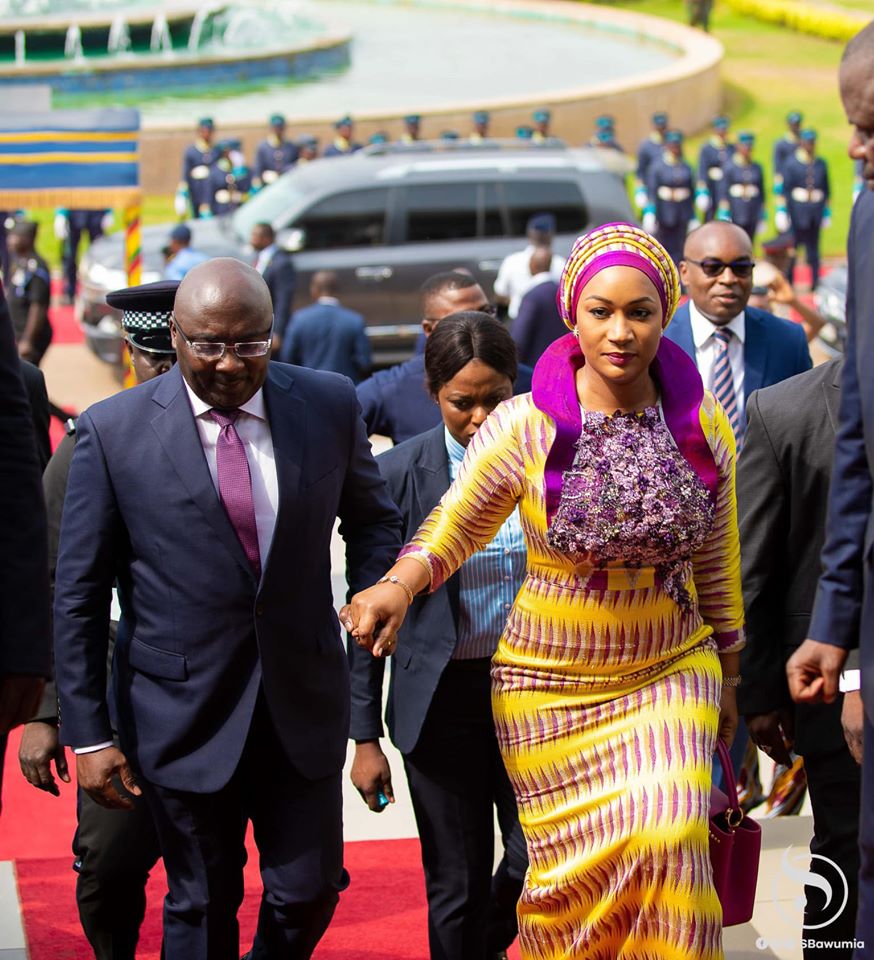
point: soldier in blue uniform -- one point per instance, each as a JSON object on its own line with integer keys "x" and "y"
{"x": 670, "y": 187}
{"x": 343, "y": 143}
{"x": 28, "y": 293}
{"x": 274, "y": 155}
{"x": 714, "y": 156}
{"x": 742, "y": 189}
{"x": 785, "y": 147}
{"x": 481, "y": 120}
{"x": 542, "y": 119}
{"x": 605, "y": 134}
{"x": 651, "y": 149}
{"x": 229, "y": 180}
{"x": 194, "y": 189}
{"x": 806, "y": 194}
{"x": 412, "y": 128}
{"x": 70, "y": 227}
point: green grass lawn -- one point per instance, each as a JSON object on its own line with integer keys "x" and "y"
{"x": 767, "y": 72}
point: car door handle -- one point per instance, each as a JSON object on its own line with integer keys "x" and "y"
{"x": 376, "y": 274}
{"x": 491, "y": 265}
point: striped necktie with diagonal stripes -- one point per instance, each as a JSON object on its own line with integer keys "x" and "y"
{"x": 723, "y": 382}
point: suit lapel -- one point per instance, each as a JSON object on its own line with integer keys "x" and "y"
{"x": 832, "y": 389}
{"x": 287, "y": 415}
{"x": 431, "y": 480}
{"x": 177, "y": 432}
{"x": 680, "y": 330}
{"x": 755, "y": 354}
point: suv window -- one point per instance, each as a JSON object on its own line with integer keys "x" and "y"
{"x": 562, "y": 198}
{"x": 355, "y": 218}
{"x": 441, "y": 211}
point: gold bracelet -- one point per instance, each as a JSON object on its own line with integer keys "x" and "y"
{"x": 397, "y": 580}
{"x": 732, "y": 681}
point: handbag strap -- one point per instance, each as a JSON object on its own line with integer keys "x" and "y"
{"x": 729, "y": 781}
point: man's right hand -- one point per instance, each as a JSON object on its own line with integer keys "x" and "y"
{"x": 773, "y": 733}
{"x": 95, "y": 772}
{"x": 40, "y": 746}
{"x": 814, "y": 671}
{"x": 371, "y": 774}
{"x": 20, "y": 695}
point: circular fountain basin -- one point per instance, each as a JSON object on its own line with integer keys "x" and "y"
{"x": 191, "y": 51}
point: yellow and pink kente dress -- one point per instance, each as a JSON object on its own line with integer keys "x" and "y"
{"x": 606, "y": 682}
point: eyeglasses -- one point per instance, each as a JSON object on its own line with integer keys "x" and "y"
{"x": 715, "y": 268}
{"x": 216, "y": 349}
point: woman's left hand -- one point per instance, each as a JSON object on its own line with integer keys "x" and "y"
{"x": 728, "y": 715}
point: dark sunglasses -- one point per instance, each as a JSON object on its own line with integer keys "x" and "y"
{"x": 714, "y": 268}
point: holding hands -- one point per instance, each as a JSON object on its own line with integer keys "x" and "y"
{"x": 374, "y": 616}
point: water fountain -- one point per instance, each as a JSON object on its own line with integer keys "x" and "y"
{"x": 92, "y": 47}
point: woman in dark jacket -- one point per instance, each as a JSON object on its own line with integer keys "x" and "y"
{"x": 439, "y": 706}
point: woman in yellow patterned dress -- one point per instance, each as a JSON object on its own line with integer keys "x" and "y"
{"x": 617, "y": 668}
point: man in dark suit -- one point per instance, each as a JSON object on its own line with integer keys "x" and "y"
{"x": 717, "y": 271}
{"x": 782, "y": 491}
{"x": 40, "y": 409}
{"x": 843, "y": 615}
{"x": 737, "y": 350}
{"x": 395, "y": 402}
{"x": 326, "y": 335}
{"x": 209, "y": 495}
{"x": 24, "y": 577}
{"x": 538, "y": 323}
{"x": 277, "y": 268}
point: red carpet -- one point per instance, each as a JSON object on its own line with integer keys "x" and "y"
{"x": 381, "y": 915}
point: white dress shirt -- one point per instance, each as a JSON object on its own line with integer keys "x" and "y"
{"x": 262, "y": 261}
{"x": 514, "y": 278}
{"x": 706, "y": 348}
{"x": 254, "y": 430}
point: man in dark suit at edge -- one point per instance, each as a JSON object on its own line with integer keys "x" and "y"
{"x": 782, "y": 493}
{"x": 843, "y": 615}
{"x": 231, "y": 682}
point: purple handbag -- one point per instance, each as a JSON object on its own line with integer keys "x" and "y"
{"x": 735, "y": 845}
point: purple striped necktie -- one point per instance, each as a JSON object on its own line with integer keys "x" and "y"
{"x": 235, "y": 485}
{"x": 723, "y": 382}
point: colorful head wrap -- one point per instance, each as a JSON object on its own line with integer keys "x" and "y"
{"x": 553, "y": 386}
{"x": 617, "y": 245}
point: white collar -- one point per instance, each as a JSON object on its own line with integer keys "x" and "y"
{"x": 254, "y": 406}
{"x": 267, "y": 252}
{"x": 539, "y": 278}
{"x": 331, "y": 301}
{"x": 703, "y": 329}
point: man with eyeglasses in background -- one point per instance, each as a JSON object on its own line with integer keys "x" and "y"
{"x": 737, "y": 349}
{"x": 209, "y": 495}
{"x": 395, "y": 403}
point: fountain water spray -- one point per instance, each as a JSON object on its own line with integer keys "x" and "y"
{"x": 197, "y": 29}
{"x": 20, "y": 48}
{"x": 73, "y": 43}
{"x": 119, "y": 36}
{"x": 161, "y": 39}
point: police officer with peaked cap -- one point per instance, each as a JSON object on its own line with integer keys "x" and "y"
{"x": 114, "y": 851}
{"x": 274, "y": 155}
{"x": 343, "y": 144}
{"x": 229, "y": 179}
{"x": 648, "y": 151}
{"x": 714, "y": 155}
{"x": 806, "y": 194}
{"x": 481, "y": 120}
{"x": 197, "y": 160}
{"x": 670, "y": 187}
{"x": 785, "y": 147}
{"x": 742, "y": 189}
{"x": 412, "y": 128}
{"x": 542, "y": 119}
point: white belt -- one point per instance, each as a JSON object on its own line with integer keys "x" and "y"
{"x": 223, "y": 196}
{"x": 269, "y": 176}
{"x": 677, "y": 194}
{"x": 743, "y": 191}
{"x": 200, "y": 172}
{"x": 715, "y": 173}
{"x": 807, "y": 196}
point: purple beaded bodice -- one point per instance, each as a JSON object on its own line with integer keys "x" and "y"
{"x": 631, "y": 497}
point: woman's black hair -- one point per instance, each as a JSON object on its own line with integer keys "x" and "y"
{"x": 462, "y": 337}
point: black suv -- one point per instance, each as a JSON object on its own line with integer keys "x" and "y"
{"x": 388, "y": 217}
